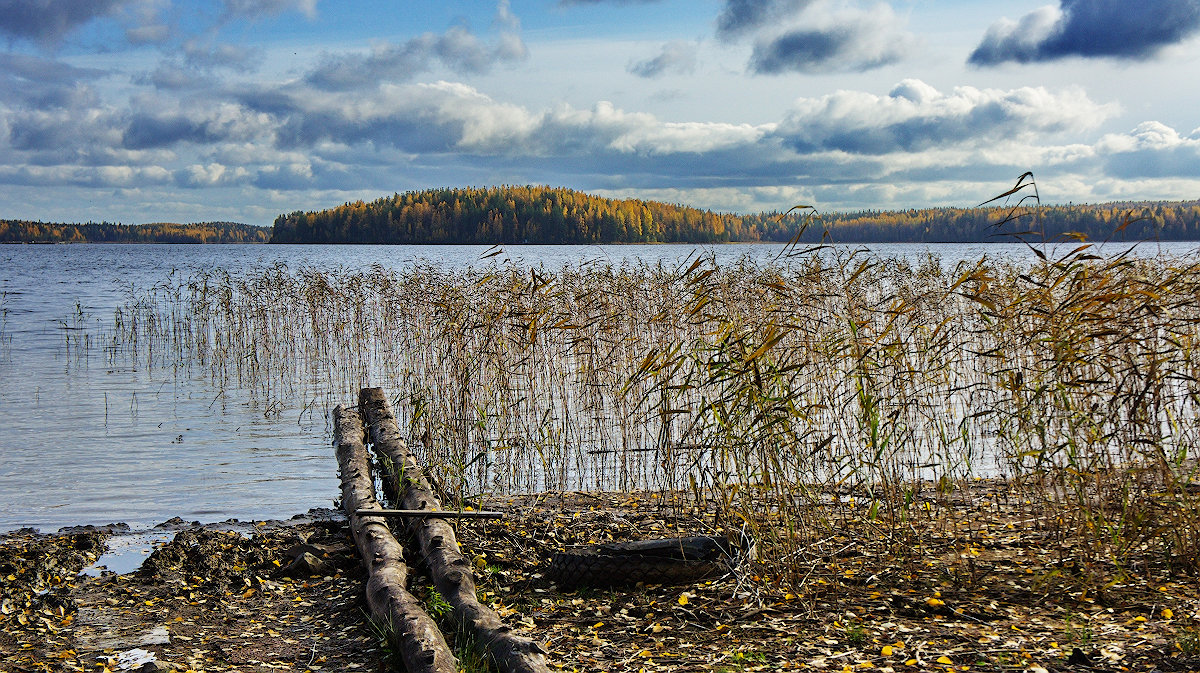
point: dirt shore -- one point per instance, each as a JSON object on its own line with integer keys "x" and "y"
{"x": 284, "y": 596}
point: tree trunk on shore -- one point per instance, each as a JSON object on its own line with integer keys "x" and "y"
{"x": 450, "y": 570}
{"x": 412, "y": 631}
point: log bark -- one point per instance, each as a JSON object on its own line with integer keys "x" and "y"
{"x": 451, "y": 571}
{"x": 428, "y": 514}
{"x": 413, "y": 632}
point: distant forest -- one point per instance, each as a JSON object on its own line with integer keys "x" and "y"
{"x": 24, "y": 231}
{"x": 539, "y": 214}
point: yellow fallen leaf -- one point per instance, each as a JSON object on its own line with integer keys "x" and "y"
{"x": 249, "y": 593}
{"x": 683, "y": 599}
{"x": 887, "y": 650}
{"x": 1167, "y": 613}
{"x": 934, "y": 602}
{"x": 910, "y": 662}
{"x": 944, "y": 660}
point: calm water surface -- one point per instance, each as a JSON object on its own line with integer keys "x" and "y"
{"x": 83, "y": 440}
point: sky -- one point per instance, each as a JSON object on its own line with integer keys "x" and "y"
{"x": 239, "y": 110}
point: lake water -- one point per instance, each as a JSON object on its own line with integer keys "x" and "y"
{"x": 86, "y": 440}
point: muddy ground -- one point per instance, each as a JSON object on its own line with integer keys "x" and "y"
{"x": 219, "y": 600}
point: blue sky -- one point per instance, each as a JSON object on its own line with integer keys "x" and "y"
{"x": 164, "y": 110}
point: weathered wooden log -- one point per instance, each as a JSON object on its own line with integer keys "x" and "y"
{"x": 414, "y": 633}
{"x": 451, "y": 572}
{"x": 431, "y": 514}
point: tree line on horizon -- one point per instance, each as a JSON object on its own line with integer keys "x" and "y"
{"x": 541, "y": 215}
{"x": 27, "y": 231}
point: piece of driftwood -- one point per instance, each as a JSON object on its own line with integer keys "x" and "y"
{"x": 678, "y": 560}
{"x": 430, "y": 514}
{"x": 413, "y": 632}
{"x": 451, "y": 572}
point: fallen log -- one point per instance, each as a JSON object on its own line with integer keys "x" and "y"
{"x": 431, "y": 514}
{"x": 412, "y": 631}
{"x": 680, "y": 560}
{"x": 450, "y": 570}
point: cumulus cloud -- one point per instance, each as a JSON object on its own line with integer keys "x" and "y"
{"x": 58, "y": 135}
{"x": 842, "y": 41}
{"x": 741, "y": 17}
{"x": 48, "y": 21}
{"x": 31, "y": 81}
{"x": 384, "y": 63}
{"x": 210, "y": 175}
{"x": 458, "y": 49}
{"x": 676, "y": 57}
{"x": 815, "y": 36}
{"x": 1090, "y": 28}
{"x": 447, "y": 117}
{"x": 163, "y": 125}
{"x": 915, "y": 116}
{"x": 104, "y": 177}
{"x": 1152, "y": 150}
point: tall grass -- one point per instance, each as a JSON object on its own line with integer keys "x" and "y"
{"x": 787, "y": 398}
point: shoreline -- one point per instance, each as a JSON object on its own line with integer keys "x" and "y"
{"x": 218, "y": 596}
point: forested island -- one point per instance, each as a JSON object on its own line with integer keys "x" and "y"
{"x": 540, "y": 214}
{"x": 26, "y": 231}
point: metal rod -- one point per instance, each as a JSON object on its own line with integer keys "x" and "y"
{"x": 429, "y": 514}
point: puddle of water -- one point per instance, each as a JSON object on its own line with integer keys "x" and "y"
{"x": 126, "y": 552}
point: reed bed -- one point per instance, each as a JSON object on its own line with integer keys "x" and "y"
{"x": 823, "y": 393}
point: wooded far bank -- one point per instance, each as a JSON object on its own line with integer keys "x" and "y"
{"x": 26, "y": 231}
{"x": 540, "y": 215}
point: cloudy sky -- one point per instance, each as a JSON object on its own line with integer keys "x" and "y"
{"x": 173, "y": 110}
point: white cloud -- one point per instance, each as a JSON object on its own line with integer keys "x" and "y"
{"x": 915, "y": 116}
{"x": 833, "y": 37}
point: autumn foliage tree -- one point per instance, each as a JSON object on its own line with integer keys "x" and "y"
{"x": 540, "y": 214}
{"x": 26, "y": 231}
{"x": 516, "y": 214}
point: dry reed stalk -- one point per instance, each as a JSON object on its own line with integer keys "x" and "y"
{"x": 793, "y": 395}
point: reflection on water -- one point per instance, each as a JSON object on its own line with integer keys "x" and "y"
{"x": 88, "y": 439}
